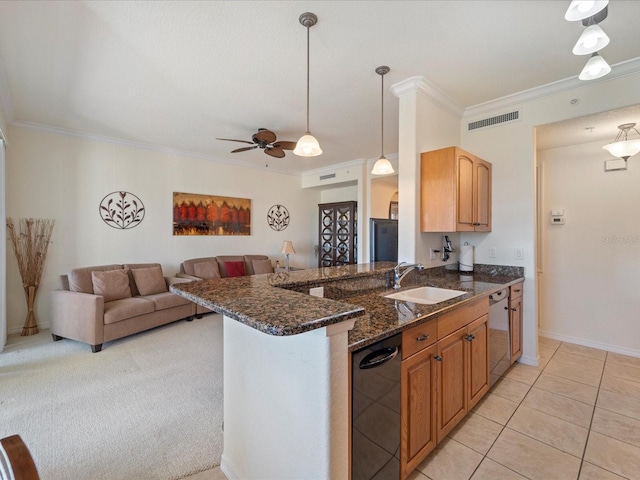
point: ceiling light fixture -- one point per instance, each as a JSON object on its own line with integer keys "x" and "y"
{"x": 382, "y": 165}
{"x": 596, "y": 67}
{"x": 624, "y": 148}
{"x": 308, "y": 146}
{"x": 592, "y": 39}
{"x": 580, "y": 9}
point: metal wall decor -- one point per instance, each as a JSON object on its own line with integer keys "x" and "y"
{"x": 121, "y": 210}
{"x": 278, "y": 217}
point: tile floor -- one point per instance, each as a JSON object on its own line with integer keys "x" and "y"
{"x": 574, "y": 417}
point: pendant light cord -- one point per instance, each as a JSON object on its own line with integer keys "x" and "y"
{"x": 382, "y": 117}
{"x": 307, "y": 78}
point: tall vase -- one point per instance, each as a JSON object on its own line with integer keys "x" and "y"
{"x": 30, "y": 324}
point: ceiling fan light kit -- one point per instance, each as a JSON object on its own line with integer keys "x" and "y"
{"x": 593, "y": 38}
{"x": 382, "y": 165}
{"x": 622, "y": 147}
{"x": 308, "y": 146}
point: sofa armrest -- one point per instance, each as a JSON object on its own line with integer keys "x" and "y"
{"x": 173, "y": 280}
{"x": 78, "y": 316}
{"x": 187, "y": 277}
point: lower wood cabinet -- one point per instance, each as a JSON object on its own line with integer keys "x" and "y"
{"x": 442, "y": 381}
{"x": 515, "y": 320}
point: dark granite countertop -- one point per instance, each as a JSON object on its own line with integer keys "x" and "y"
{"x": 279, "y": 304}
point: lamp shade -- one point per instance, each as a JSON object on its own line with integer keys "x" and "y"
{"x": 592, "y": 39}
{"x": 580, "y": 9}
{"x": 307, "y": 146}
{"x": 287, "y": 247}
{"x": 625, "y": 149}
{"x": 596, "y": 67}
{"x": 382, "y": 167}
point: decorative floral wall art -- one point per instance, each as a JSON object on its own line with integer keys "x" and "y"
{"x": 122, "y": 210}
{"x": 278, "y": 217}
{"x": 195, "y": 214}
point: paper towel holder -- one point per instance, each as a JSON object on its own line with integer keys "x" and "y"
{"x": 467, "y": 266}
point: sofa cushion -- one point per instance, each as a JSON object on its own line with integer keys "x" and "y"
{"x": 132, "y": 281}
{"x": 80, "y": 278}
{"x": 262, "y": 266}
{"x": 248, "y": 263}
{"x": 119, "y": 310}
{"x": 149, "y": 280}
{"x": 222, "y": 259}
{"x": 187, "y": 265}
{"x": 162, "y": 301}
{"x": 206, "y": 270}
{"x": 111, "y": 284}
{"x": 234, "y": 269}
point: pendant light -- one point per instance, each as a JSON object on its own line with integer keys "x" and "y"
{"x": 308, "y": 146}
{"x": 382, "y": 165}
{"x": 592, "y": 39}
{"x": 624, "y": 148}
{"x": 580, "y": 9}
{"x": 596, "y": 67}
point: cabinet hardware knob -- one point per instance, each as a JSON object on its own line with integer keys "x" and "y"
{"x": 514, "y": 309}
{"x": 506, "y": 308}
{"x": 469, "y": 337}
{"x": 422, "y": 338}
{"x": 438, "y": 358}
{"x": 516, "y": 290}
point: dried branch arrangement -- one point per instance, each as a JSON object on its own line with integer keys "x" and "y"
{"x": 30, "y": 241}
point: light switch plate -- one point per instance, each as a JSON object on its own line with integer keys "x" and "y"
{"x": 519, "y": 254}
{"x": 492, "y": 252}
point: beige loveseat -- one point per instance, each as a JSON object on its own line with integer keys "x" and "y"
{"x": 216, "y": 267}
{"x": 104, "y": 303}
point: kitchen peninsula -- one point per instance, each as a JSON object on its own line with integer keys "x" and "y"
{"x": 286, "y": 356}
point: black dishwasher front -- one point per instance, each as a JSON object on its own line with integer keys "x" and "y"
{"x": 375, "y": 427}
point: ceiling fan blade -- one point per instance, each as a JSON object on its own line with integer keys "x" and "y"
{"x": 274, "y": 152}
{"x": 264, "y": 135}
{"x": 234, "y": 140}
{"x": 285, "y": 145}
{"x": 243, "y": 149}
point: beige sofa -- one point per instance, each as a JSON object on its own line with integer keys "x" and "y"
{"x": 103, "y": 303}
{"x": 216, "y": 267}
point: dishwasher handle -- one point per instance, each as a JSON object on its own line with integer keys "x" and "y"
{"x": 379, "y": 357}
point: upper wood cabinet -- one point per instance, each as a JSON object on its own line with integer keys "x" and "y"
{"x": 455, "y": 191}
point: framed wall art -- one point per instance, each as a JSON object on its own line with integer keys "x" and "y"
{"x": 195, "y": 214}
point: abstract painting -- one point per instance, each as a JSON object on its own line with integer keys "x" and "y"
{"x": 195, "y": 214}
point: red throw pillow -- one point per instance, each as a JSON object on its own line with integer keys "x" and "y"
{"x": 234, "y": 269}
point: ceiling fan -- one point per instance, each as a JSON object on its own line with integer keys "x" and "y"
{"x": 266, "y": 140}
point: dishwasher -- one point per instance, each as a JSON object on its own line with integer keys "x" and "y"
{"x": 375, "y": 398}
{"x": 499, "y": 335}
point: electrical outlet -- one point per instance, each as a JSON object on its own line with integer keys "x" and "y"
{"x": 432, "y": 254}
{"x": 518, "y": 254}
{"x": 317, "y": 292}
{"x": 492, "y": 252}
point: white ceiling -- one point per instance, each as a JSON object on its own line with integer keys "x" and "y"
{"x": 180, "y": 74}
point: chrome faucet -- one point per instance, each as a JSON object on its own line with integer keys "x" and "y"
{"x": 397, "y": 277}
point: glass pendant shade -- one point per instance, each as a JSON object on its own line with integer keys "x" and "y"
{"x": 581, "y": 9}
{"x": 625, "y": 149}
{"x": 382, "y": 167}
{"x": 592, "y": 39}
{"x": 596, "y": 67}
{"x": 307, "y": 146}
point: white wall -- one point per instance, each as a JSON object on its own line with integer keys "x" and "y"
{"x": 591, "y": 264}
{"x": 511, "y": 150}
{"x": 65, "y": 178}
{"x": 382, "y": 190}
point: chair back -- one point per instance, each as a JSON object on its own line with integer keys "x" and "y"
{"x": 16, "y": 462}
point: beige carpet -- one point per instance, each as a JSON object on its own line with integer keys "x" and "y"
{"x": 147, "y": 407}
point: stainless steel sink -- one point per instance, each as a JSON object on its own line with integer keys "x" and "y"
{"x": 426, "y": 295}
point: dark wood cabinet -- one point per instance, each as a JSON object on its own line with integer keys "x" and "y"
{"x": 337, "y": 234}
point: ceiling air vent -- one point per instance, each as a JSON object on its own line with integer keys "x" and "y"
{"x": 488, "y": 122}
{"x": 327, "y": 177}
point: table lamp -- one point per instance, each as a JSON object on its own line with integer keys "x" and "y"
{"x": 287, "y": 249}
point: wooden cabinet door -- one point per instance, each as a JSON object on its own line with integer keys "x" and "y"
{"x": 515, "y": 328}
{"x": 417, "y": 427}
{"x": 465, "y": 207}
{"x": 478, "y": 360}
{"x": 452, "y": 378}
{"x": 482, "y": 196}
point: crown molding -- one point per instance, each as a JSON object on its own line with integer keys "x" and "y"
{"x": 142, "y": 146}
{"x": 619, "y": 70}
{"x": 427, "y": 89}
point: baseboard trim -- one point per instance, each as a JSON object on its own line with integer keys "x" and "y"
{"x": 18, "y": 329}
{"x": 527, "y": 360}
{"x": 589, "y": 343}
{"x": 229, "y": 471}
